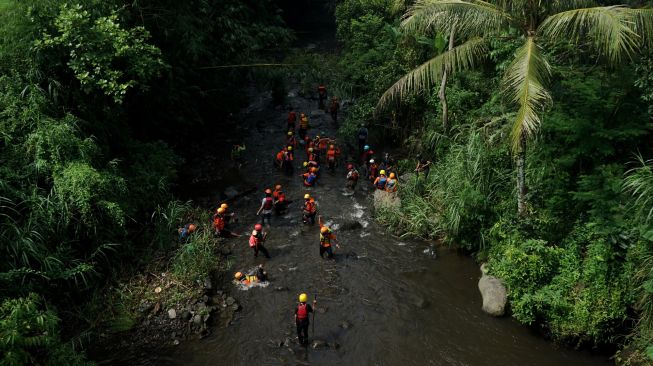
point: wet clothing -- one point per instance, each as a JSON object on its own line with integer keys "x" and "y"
{"x": 310, "y": 179}
{"x": 256, "y": 242}
{"x": 288, "y": 158}
{"x": 261, "y": 275}
{"x": 281, "y": 204}
{"x": 391, "y": 185}
{"x": 326, "y": 246}
{"x": 302, "y": 312}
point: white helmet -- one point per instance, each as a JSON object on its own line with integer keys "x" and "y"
{"x": 371, "y": 161}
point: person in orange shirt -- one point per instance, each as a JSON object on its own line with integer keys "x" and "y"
{"x": 310, "y": 210}
{"x": 331, "y": 158}
{"x": 327, "y": 239}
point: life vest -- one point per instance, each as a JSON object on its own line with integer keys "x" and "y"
{"x": 325, "y": 240}
{"x": 253, "y": 240}
{"x": 331, "y": 155}
{"x": 218, "y": 222}
{"x": 281, "y": 198}
{"x": 373, "y": 169}
{"x": 280, "y": 155}
{"x": 289, "y": 156}
{"x": 309, "y": 206}
{"x": 267, "y": 205}
{"x": 353, "y": 175}
{"x": 322, "y": 145}
{"x": 303, "y": 123}
{"x": 391, "y": 185}
{"x": 381, "y": 182}
{"x": 302, "y": 311}
{"x": 312, "y": 157}
{"x": 309, "y": 179}
{"x": 292, "y": 117}
{"x": 275, "y": 194}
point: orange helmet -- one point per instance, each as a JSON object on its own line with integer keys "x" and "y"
{"x": 191, "y": 228}
{"x": 268, "y": 191}
{"x": 332, "y": 147}
{"x": 307, "y": 196}
{"x": 221, "y": 210}
{"x": 313, "y": 169}
{"x": 324, "y": 229}
{"x": 277, "y": 187}
{"x": 258, "y": 227}
{"x": 224, "y": 205}
{"x": 392, "y": 175}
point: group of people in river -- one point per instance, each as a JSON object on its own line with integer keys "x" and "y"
{"x": 319, "y": 150}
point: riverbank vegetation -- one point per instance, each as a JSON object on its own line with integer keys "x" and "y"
{"x": 100, "y": 102}
{"x": 540, "y": 166}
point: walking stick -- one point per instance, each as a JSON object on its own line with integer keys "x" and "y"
{"x": 313, "y": 326}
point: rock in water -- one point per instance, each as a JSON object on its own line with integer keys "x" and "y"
{"x": 230, "y": 301}
{"x": 317, "y": 113}
{"x": 319, "y": 344}
{"x": 386, "y": 201}
{"x": 494, "y": 295}
{"x": 172, "y": 313}
{"x": 351, "y": 225}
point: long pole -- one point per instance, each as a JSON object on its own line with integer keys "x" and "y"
{"x": 313, "y": 326}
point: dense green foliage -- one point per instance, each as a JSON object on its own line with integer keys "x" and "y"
{"x": 96, "y": 98}
{"x": 569, "y": 263}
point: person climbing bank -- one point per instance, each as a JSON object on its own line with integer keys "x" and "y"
{"x": 301, "y": 318}
{"x": 381, "y": 181}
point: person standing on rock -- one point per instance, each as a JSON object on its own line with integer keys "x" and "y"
{"x": 327, "y": 238}
{"x": 257, "y": 239}
{"x": 267, "y": 204}
{"x": 301, "y": 318}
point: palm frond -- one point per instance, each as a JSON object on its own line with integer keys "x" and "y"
{"x": 524, "y": 82}
{"x": 639, "y": 184}
{"x": 610, "y": 27}
{"x": 557, "y": 6}
{"x": 459, "y": 58}
{"x": 473, "y": 17}
{"x": 643, "y": 19}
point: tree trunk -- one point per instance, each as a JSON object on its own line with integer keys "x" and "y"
{"x": 443, "y": 86}
{"x": 521, "y": 176}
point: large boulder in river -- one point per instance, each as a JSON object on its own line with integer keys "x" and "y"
{"x": 386, "y": 201}
{"x": 494, "y": 294}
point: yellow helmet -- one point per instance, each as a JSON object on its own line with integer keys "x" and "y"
{"x": 238, "y": 275}
{"x": 289, "y": 148}
{"x": 289, "y": 133}
{"x": 221, "y": 210}
{"x": 303, "y": 298}
{"x": 310, "y": 149}
{"x": 382, "y": 172}
{"x": 307, "y": 196}
{"x": 305, "y": 163}
{"x": 392, "y": 175}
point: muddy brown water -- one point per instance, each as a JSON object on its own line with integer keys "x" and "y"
{"x": 404, "y": 302}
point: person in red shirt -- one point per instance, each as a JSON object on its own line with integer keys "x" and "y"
{"x": 302, "y": 312}
{"x": 310, "y": 210}
{"x": 257, "y": 239}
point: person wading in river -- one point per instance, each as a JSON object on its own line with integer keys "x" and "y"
{"x": 301, "y": 318}
{"x": 219, "y": 223}
{"x": 335, "y": 106}
{"x": 327, "y": 238}
{"x": 362, "y": 138}
{"x": 310, "y": 210}
{"x": 257, "y": 239}
{"x": 292, "y": 119}
{"x": 267, "y": 204}
{"x": 303, "y": 126}
{"x": 352, "y": 177}
{"x": 322, "y": 96}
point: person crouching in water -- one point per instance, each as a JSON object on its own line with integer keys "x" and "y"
{"x": 327, "y": 237}
{"x": 301, "y": 318}
{"x": 257, "y": 239}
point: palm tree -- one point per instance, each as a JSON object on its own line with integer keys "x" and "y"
{"x": 615, "y": 32}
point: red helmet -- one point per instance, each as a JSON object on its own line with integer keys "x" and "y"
{"x": 258, "y": 227}
{"x": 350, "y": 166}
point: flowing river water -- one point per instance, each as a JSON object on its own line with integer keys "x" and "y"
{"x": 383, "y": 300}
